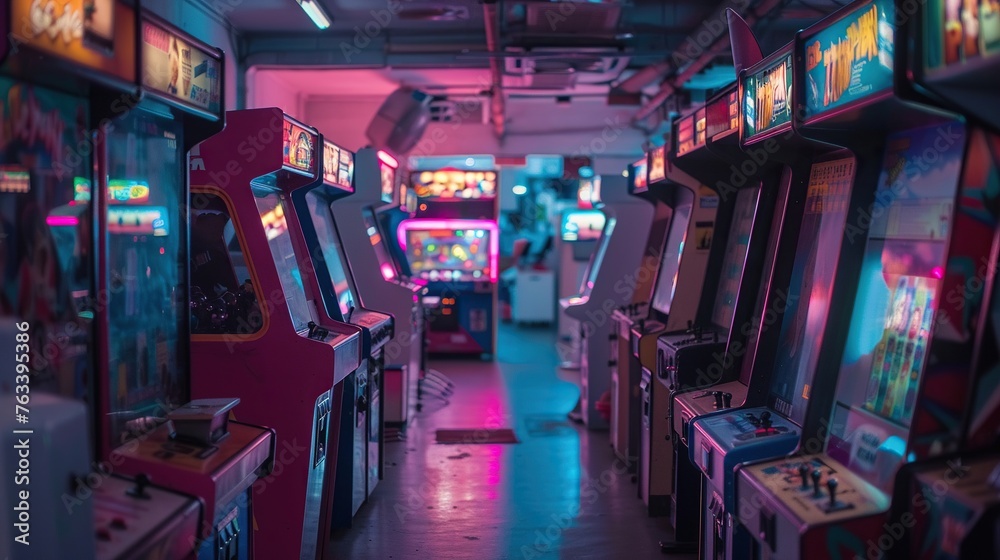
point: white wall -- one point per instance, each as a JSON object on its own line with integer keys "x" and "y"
{"x": 207, "y": 25}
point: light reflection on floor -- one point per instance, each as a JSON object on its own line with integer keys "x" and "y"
{"x": 560, "y": 493}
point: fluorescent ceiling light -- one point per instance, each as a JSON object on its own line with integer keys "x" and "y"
{"x": 315, "y": 13}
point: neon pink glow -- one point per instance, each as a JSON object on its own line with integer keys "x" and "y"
{"x": 456, "y": 224}
{"x": 387, "y": 272}
{"x": 62, "y": 220}
{"x": 385, "y": 158}
{"x": 937, "y": 272}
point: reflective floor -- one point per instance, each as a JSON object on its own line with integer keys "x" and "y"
{"x": 560, "y": 493}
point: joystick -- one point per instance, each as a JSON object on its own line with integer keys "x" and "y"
{"x": 718, "y": 399}
{"x": 816, "y": 475}
{"x": 139, "y": 490}
{"x": 727, "y": 400}
{"x": 804, "y": 473}
{"x": 831, "y": 486}
{"x": 765, "y": 420}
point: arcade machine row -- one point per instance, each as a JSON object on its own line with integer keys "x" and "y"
{"x": 451, "y": 243}
{"x": 675, "y": 297}
{"x": 117, "y": 332}
{"x": 380, "y": 280}
{"x": 672, "y": 214}
{"x": 792, "y": 326}
{"x": 619, "y": 255}
{"x": 707, "y": 140}
{"x": 904, "y": 391}
{"x": 257, "y": 324}
{"x": 320, "y": 251}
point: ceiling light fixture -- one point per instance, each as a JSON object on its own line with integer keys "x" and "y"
{"x": 315, "y": 13}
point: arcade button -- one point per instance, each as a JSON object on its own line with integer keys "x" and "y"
{"x": 103, "y": 535}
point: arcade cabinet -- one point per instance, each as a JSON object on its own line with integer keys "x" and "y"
{"x": 379, "y": 279}
{"x": 321, "y": 251}
{"x": 256, "y": 324}
{"x": 902, "y": 389}
{"x": 609, "y": 284}
{"x": 705, "y": 141}
{"x": 460, "y": 269}
{"x": 128, "y": 314}
{"x": 579, "y": 233}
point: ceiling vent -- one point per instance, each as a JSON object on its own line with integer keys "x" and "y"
{"x": 458, "y": 110}
{"x": 557, "y": 68}
{"x": 585, "y": 19}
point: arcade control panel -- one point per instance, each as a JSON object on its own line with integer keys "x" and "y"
{"x": 685, "y": 358}
{"x": 781, "y": 500}
{"x": 719, "y": 442}
{"x": 698, "y": 402}
{"x": 138, "y": 520}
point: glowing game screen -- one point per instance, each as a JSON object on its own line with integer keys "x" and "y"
{"x": 735, "y": 258}
{"x": 768, "y": 94}
{"x": 299, "y": 146}
{"x": 387, "y": 180}
{"x": 597, "y": 258}
{"x": 807, "y": 302}
{"x": 272, "y": 217}
{"x": 666, "y": 278}
{"x": 450, "y": 254}
{"x": 640, "y": 171}
{"x": 332, "y": 253}
{"x": 905, "y": 260}
{"x": 582, "y": 225}
{"x": 454, "y": 184}
{"x": 385, "y": 264}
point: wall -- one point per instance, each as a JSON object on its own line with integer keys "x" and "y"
{"x": 207, "y": 25}
{"x": 265, "y": 89}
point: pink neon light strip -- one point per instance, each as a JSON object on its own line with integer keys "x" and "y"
{"x": 407, "y": 225}
{"x": 388, "y": 160}
{"x": 62, "y": 220}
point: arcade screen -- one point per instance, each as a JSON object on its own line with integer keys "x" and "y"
{"x": 46, "y": 237}
{"x": 768, "y": 98}
{"x": 640, "y": 172}
{"x": 331, "y": 252}
{"x": 904, "y": 262}
{"x": 272, "y": 216}
{"x": 597, "y": 259}
{"x": 735, "y": 258}
{"x": 385, "y": 264}
{"x": 148, "y": 324}
{"x": 666, "y": 278}
{"x": 338, "y": 166}
{"x": 387, "y": 180}
{"x": 454, "y": 184}
{"x": 582, "y": 225}
{"x": 449, "y": 254}
{"x": 960, "y": 32}
{"x": 807, "y": 301}
{"x": 298, "y": 146}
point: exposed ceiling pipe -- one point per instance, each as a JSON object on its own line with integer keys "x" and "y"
{"x": 497, "y": 112}
{"x": 674, "y": 83}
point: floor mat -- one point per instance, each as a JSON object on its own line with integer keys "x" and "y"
{"x": 477, "y": 435}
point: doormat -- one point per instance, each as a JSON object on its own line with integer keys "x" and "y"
{"x": 477, "y": 435}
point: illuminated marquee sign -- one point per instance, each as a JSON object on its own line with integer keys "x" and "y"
{"x": 127, "y": 192}
{"x": 768, "y": 96}
{"x": 136, "y": 220}
{"x": 958, "y": 33}
{"x": 14, "y": 179}
{"x": 657, "y": 165}
{"x": 455, "y": 184}
{"x": 699, "y": 128}
{"x": 298, "y": 146}
{"x": 639, "y": 171}
{"x": 173, "y": 66}
{"x": 850, "y": 59}
{"x": 723, "y": 114}
{"x": 338, "y": 166}
{"x": 97, "y": 34}
{"x": 685, "y": 135}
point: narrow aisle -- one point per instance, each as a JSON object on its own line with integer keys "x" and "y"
{"x": 560, "y": 493}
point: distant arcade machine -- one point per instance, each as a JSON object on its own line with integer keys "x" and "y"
{"x": 452, "y": 243}
{"x": 379, "y": 278}
{"x": 580, "y": 231}
{"x": 606, "y": 287}
{"x": 257, "y": 322}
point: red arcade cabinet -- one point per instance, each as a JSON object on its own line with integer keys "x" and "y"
{"x": 255, "y": 328}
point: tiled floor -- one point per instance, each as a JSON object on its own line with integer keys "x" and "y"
{"x": 560, "y": 493}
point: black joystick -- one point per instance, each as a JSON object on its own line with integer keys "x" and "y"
{"x": 765, "y": 420}
{"x": 831, "y": 486}
{"x": 727, "y": 400}
{"x": 139, "y": 490}
{"x": 816, "y": 475}
{"x": 804, "y": 473}
{"x": 718, "y": 399}
{"x": 642, "y": 325}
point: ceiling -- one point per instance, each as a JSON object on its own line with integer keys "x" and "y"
{"x": 538, "y": 48}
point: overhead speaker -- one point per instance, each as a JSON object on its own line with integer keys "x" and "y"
{"x": 400, "y": 121}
